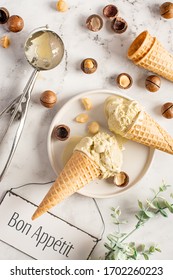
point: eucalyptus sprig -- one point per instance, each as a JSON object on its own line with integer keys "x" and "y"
{"x": 117, "y": 247}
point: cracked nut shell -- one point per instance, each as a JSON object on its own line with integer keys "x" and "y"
{"x": 166, "y": 10}
{"x": 61, "y": 132}
{"x": 121, "y": 179}
{"x": 153, "y": 83}
{"x": 89, "y": 65}
{"x": 124, "y": 81}
{"x": 167, "y": 110}
{"x": 48, "y": 98}
{"x": 119, "y": 25}
{"x": 110, "y": 11}
{"x": 94, "y": 23}
{"x": 4, "y": 15}
{"x": 15, "y": 23}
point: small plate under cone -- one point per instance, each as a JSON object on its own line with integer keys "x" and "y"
{"x": 60, "y": 151}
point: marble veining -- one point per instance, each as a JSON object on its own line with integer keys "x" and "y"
{"x": 30, "y": 162}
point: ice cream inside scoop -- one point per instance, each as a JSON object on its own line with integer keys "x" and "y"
{"x": 105, "y": 151}
{"x": 121, "y": 113}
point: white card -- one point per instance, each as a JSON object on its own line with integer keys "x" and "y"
{"x": 47, "y": 237}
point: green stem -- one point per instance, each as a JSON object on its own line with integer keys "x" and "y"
{"x": 140, "y": 222}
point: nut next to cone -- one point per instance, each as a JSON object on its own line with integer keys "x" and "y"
{"x": 167, "y": 110}
{"x": 153, "y": 83}
{"x": 124, "y": 81}
{"x": 121, "y": 179}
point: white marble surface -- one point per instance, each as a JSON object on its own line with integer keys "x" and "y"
{"x": 30, "y": 162}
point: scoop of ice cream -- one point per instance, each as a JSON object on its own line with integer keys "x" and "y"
{"x": 104, "y": 150}
{"x": 121, "y": 113}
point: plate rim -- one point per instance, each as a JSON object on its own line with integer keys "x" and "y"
{"x": 78, "y": 96}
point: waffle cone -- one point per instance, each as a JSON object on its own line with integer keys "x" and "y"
{"x": 140, "y": 46}
{"x": 78, "y": 172}
{"x": 147, "y": 131}
{"x": 158, "y": 60}
{"x": 154, "y": 58}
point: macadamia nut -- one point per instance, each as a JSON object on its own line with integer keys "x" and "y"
{"x": 87, "y": 103}
{"x": 94, "y": 127}
{"x": 82, "y": 118}
{"x": 61, "y": 6}
{"x": 5, "y": 42}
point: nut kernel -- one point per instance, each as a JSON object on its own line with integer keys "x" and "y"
{"x": 5, "y": 42}
{"x": 94, "y": 127}
{"x": 88, "y": 64}
{"x": 61, "y": 6}
{"x": 94, "y": 23}
{"x": 121, "y": 179}
{"x": 124, "y": 80}
{"x": 87, "y": 103}
{"x": 82, "y": 118}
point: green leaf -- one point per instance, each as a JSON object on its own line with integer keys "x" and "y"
{"x": 151, "y": 204}
{"x": 146, "y": 257}
{"x": 158, "y": 250}
{"x": 169, "y": 206}
{"x": 149, "y": 214}
{"x": 164, "y": 187}
{"x": 163, "y": 213}
{"x": 171, "y": 195}
{"x": 152, "y": 249}
{"x": 140, "y": 204}
{"x": 159, "y": 205}
{"x": 138, "y": 217}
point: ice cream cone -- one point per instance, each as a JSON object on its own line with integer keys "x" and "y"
{"x": 147, "y": 131}
{"x": 140, "y": 46}
{"x": 156, "y": 58}
{"x": 78, "y": 172}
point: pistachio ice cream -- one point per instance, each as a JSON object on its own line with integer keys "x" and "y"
{"x": 121, "y": 113}
{"x": 105, "y": 151}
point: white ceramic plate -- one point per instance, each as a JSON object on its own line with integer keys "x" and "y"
{"x": 137, "y": 158}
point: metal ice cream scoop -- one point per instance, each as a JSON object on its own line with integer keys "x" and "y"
{"x": 44, "y": 50}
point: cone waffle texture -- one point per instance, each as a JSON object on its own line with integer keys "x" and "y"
{"x": 156, "y": 58}
{"x": 140, "y": 46}
{"x": 147, "y": 131}
{"x": 78, "y": 172}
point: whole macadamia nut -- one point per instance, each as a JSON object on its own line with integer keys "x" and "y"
{"x": 166, "y": 10}
{"x": 15, "y": 23}
{"x": 153, "y": 83}
{"x": 167, "y": 110}
{"x": 48, "y": 99}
